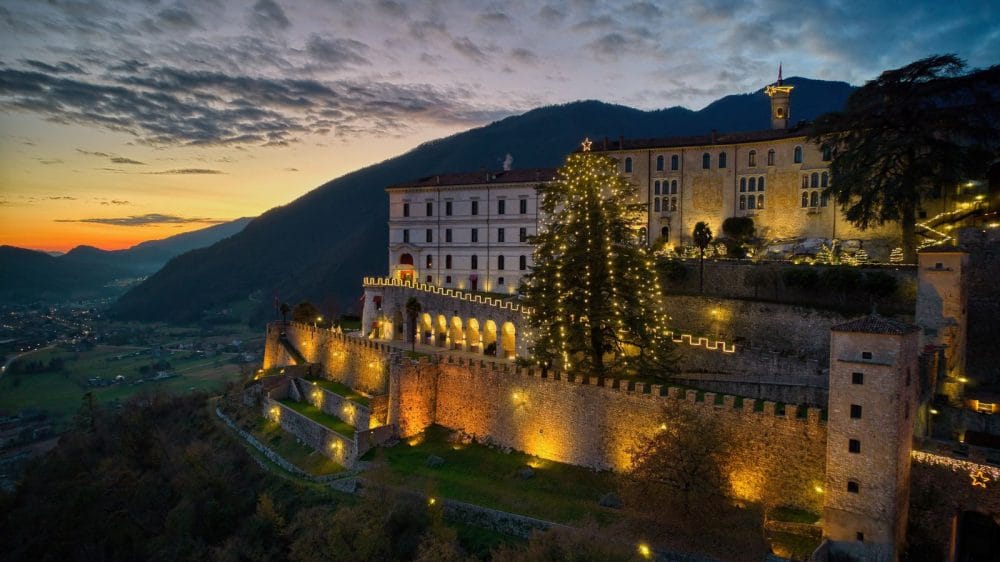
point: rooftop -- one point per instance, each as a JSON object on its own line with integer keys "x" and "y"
{"x": 875, "y": 324}
{"x": 800, "y": 130}
{"x": 526, "y": 175}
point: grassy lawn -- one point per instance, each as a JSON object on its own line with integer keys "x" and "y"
{"x": 789, "y": 545}
{"x": 792, "y": 515}
{"x": 343, "y": 390}
{"x": 483, "y": 476}
{"x": 299, "y": 454}
{"x": 321, "y": 417}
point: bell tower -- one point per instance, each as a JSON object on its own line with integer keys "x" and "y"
{"x": 780, "y": 102}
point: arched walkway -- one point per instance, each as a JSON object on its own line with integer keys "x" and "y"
{"x": 490, "y": 338}
{"x": 426, "y": 328}
{"x": 441, "y": 335}
{"x": 509, "y": 341}
{"x": 457, "y": 335}
{"x": 472, "y": 335}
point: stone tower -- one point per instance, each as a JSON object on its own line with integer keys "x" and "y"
{"x": 873, "y": 395}
{"x": 781, "y": 103}
{"x": 941, "y": 311}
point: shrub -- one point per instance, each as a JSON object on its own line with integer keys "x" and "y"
{"x": 800, "y": 277}
{"x": 840, "y": 279}
{"x": 879, "y": 284}
{"x": 671, "y": 271}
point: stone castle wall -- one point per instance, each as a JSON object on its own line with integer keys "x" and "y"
{"x": 982, "y": 352}
{"x": 778, "y": 457}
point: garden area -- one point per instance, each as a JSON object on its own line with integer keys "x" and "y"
{"x": 321, "y": 417}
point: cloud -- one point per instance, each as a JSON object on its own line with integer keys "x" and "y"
{"x": 177, "y": 18}
{"x": 117, "y": 202}
{"x": 144, "y": 220}
{"x": 89, "y": 153}
{"x": 495, "y": 19}
{"x": 392, "y": 8}
{"x": 49, "y": 161}
{"x": 268, "y": 15}
{"x": 336, "y": 53}
{"x": 468, "y": 49}
{"x": 62, "y": 198}
{"x": 62, "y": 67}
{"x": 123, "y": 160}
{"x": 610, "y": 46}
{"x": 291, "y": 170}
{"x": 550, "y": 15}
{"x": 523, "y": 56}
{"x": 188, "y": 171}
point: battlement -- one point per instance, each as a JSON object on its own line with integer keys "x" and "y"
{"x": 445, "y": 292}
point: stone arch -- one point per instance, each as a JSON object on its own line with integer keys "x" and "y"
{"x": 426, "y": 328}
{"x": 490, "y": 338}
{"x": 473, "y": 336}
{"x": 509, "y": 340}
{"x": 456, "y": 332}
{"x": 441, "y": 331}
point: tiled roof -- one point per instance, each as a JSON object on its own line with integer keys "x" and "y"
{"x": 875, "y": 324}
{"x": 526, "y": 175}
{"x": 700, "y": 140}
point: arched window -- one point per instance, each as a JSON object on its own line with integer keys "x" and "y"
{"x": 522, "y": 263}
{"x": 814, "y": 180}
{"x": 628, "y": 165}
{"x": 430, "y": 261}
{"x": 823, "y": 200}
{"x": 743, "y": 202}
{"x": 770, "y": 157}
{"x": 499, "y": 262}
{"x": 814, "y": 199}
{"x": 447, "y": 261}
{"x": 760, "y": 201}
{"x": 752, "y": 203}
{"x": 665, "y": 232}
{"x": 656, "y": 204}
{"x": 827, "y": 153}
{"x": 743, "y": 184}
{"x": 673, "y": 203}
{"x": 706, "y": 161}
{"x": 752, "y": 158}
{"x": 659, "y": 163}
{"x": 722, "y": 159}
{"x": 805, "y": 181}
{"x": 406, "y": 259}
{"x": 805, "y": 198}
{"x": 675, "y": 162}
{"x": 673, "y": 187}
{"x": 797, "y": 155}
{"x": 753, "y": 184}
{"x": 824, "y": 180}
{"x": 656, "y": 187}
{"x": 475, "y": 261}
{"x": 760, "y": 183}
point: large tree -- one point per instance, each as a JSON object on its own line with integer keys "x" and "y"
{"x": 593, "y": 289}
{"x": 908, "y": 135}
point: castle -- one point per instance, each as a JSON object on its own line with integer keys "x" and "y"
{"x": 871, "y": 452}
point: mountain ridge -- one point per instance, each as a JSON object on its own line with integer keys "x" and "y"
{"x": 318, "y": 246}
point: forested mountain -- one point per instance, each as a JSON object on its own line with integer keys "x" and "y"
{"x": 319, "y": 246}
{"x": 87, "y": 272}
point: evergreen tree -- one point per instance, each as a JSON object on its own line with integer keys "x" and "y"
{"x": 593, "y": 289}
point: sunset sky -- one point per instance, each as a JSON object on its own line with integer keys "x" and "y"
{"x": 125, "y": 121}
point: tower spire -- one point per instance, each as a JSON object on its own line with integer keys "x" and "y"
{"x": 779, "y": 73}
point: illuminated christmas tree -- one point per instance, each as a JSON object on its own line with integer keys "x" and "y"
{"x": 593, "y": 290}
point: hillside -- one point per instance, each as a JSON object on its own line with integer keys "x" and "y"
{"x": 319, "y": 246}
{"x": 86, "y": 272}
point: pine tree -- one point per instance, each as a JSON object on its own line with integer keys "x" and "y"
{"x": 593, "y": 289}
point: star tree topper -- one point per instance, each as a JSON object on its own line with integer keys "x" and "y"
{"x": 586, "y": 144}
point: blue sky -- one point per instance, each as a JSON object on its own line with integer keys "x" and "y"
{"x": 187, "y": 112}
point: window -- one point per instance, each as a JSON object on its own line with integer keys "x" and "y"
{"x": 866, "y": 355}
{"x": 797, "y": 155}
{"x": 752, "y": 203}
{"x": 853, "y": 446}
{"x": 447, "y": 278}
{"x": 430, "y": 209}
{"x": 430, "y": 235}
{"x": 447, "y": 235}
{"x": 429, "y": 279}
{"x": 752, "y": 185}
{"x": 500, "y": 235}
{"x": 805, "y": 181}
{"x": 475, "y": 207}
{"x": 855, "y": 411}
{"x": 523, "y": 204}
{"x": 743, "y": 202}
{"x": 499, "y": 262}
{"x": 805, "y": 199}
{"x": 499, "y": 280}
{"x": 406, "y": 209}
{"x": 675, "y": 162}
{"x": 447, "y": 208}
{"x": 752, "y": 158}
{"x": 502, "y": 207}
{"x": 430, "y": 261}
{"x": 860, "y": 536}
{"x": 656, "y": 205}
{"x": 823, "y": 199}
{"x": 824, "y": 180}
{"x": 722, "y": 160}
{"x": 522, "y": 263}
{"x": 656, "y": 187}
{"x": 760, "y": 201}
{"x": 659, "y": 163}
{"x": 673, "y": 203}
{"x": 814, "y": 199}
{"x": 743, "y": 185}
{"x": 770, "y": 157}
{"x": 628, "y": 165}
{"x": 853, "y": 487}
{"x": 475, "y": 235}
{"x": 706, "y": 161}
{"x": 857, "y": 378}
{"x": 474, "y": 262}
{"x": 760, "y": 183}
{"x": 447, "y": 261}
{"x": 522, "y": 234}
{"x": 406, "y": 235}
{"x": 673, "y": 187}
{"x": 827, "y": 153}
{"x": 814, "y": 180}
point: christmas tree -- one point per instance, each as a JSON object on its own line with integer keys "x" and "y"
{"x": 593, "y": 291}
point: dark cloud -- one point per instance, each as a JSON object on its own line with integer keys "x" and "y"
{"x": 177, "y": 18}
{"x": 596, "y": 23}
{"x": 646, "y": 12}
{"x": 392, "y": 8}
{"x": 426, "y": 29}
{"x": 523, "y": 56}
{"x": 188, "y": 171}
{"x": 336, "y": 53}
{"x": 123, "y": 160}
{"x": 62, "y": 67}
{"x": 49, "y": 161}
{"x": 268, "y": 15}
{"x": 89, "y": 153}
{"x": 468, "y": 49}
{"x": 117, "y": 202}
{"x": 291, "y": 170}
{"x": 610, "y": 46}
{"x": 62, "y": 198}
{"x": 145, "y": 220}
{"x": 495, "y": 19}
{"x": 550, "y": 15}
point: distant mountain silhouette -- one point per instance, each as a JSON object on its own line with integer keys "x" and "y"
{"x": 87, "y": 272}
{"x": 319, "y": 246}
